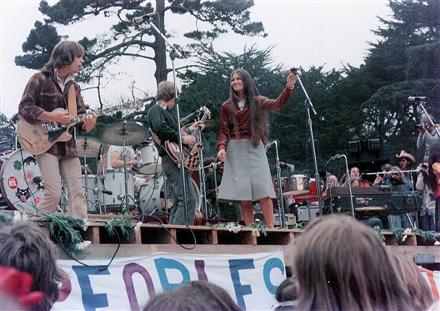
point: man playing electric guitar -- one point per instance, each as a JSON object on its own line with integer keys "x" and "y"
{"x": 162, "y": 119}
{"x": 54, "y": 87}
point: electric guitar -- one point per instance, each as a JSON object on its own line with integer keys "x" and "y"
{"x": 191, "y": 154}
{"x": 38, "y": 138}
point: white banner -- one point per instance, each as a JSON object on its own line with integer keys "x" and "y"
{"x": 250, "y": 279}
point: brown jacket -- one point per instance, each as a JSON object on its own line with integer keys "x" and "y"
{"x": 42, "y": 93}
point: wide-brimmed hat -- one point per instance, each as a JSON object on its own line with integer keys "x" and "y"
{"x": 404, "y": 154}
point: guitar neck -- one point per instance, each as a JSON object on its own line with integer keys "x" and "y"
{"x": 203, "y": 119}
{"x": 81, "y": 117}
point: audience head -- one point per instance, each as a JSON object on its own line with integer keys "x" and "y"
{"x": 342, "y": 265}
{"x": 24, "y": 247}
{"x": 194, "y": 296}
{"x": 286, "y": 295}
{"x": 417, "y": 286}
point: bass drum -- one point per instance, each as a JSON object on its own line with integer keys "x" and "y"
{"x": 152, "y": 196}
{"x": 21, "y": 184}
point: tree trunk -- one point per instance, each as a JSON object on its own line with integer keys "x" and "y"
{"x": 160, "y": 50}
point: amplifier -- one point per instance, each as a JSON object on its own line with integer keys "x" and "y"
{"x": 393, "y": 203}
{"x": 302, "y": 213}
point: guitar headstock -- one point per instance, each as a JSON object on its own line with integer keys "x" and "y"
{"x": 125, "y": 108}
{"x": 206, "y": 112}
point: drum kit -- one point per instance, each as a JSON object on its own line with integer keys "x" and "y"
{"x": 110, "y": 190}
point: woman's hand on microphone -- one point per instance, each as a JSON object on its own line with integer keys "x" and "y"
{"x": 221, "y": 155}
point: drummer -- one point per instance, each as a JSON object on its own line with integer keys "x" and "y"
{"x": 115, "y": 161}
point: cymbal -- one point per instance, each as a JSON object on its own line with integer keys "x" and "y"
{"x": 119, "y": 133}
{"x": 87, "y": 147}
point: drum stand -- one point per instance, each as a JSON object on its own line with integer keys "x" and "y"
{"x": 214, "y": 168}
{"x": 126, "y": 197}
{"x": 202, "y": 180}
{"x": 86, "y": 186}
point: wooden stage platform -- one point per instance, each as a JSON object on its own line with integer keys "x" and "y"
{"x": 153, "y": 238}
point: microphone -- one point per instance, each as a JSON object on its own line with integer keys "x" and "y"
{"x": 144, "y": 18}
{"x": 414, "y": 98}
{"x": 287, "y": 166}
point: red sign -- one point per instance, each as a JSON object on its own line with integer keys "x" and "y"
{"x": 12, "y": 183}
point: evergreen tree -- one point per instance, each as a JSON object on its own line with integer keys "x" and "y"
{"x": 128, "y": 40}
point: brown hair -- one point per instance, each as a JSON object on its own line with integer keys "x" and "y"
{"x": 194, "y": 296}
{"x": 417, "y": 286}
{"x": 342, "y": 265}
{"x": 166, "y": 91}
{"x": 64, "y": 53}
{"x": 258, "y": 117}
{"x": 24, "y": 247}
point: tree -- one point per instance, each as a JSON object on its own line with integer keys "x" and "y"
{"x": 404, "y": 62}
{"x": 7, "y": 134}
{"x": 128, "y": 40}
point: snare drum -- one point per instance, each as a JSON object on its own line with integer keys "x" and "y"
{"x": 149, "y": 160}
{"x": 21, "y": 185}
{"x": 296, "y": 185}
{"x": 114, "y": 182}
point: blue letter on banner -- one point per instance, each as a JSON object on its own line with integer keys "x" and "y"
{"x": 90, "y": 300}
{"x": 268, "y": 266}
{"x": 165, "y": 263}
{"x": 240, "y": 290}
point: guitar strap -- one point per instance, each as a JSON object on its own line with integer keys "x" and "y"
{"x": 156, "y": 139}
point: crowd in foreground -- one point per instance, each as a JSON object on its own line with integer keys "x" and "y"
{"x": 339, "y": 264}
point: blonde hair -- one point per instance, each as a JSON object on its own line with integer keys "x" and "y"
{"x": 166, "y": 91}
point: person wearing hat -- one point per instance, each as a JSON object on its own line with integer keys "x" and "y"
{"x": 427, "y": 135}
{"x": 406, "y": 160}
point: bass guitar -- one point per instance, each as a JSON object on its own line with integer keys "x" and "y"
{"x": 191, "y": 154}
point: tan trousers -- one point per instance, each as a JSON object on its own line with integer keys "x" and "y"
{"x": 54, "y": 168}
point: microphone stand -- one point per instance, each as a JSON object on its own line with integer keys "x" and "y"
{"x": 308, "y": 105}
{"x": 350, "y": 192}
{"x": 181, "y": 163}
{"x": 280, "y": 191}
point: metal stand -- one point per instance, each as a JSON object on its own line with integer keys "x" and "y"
{"x": 280, "y": 191}
{"x": 181, "y": 166}
{"x": 202, "y": 180}
{"x": 347, "y": 172}
{"x": 214, "y": 167}
{"x": 126, "y": 196}
{"x": 308, "y": 105}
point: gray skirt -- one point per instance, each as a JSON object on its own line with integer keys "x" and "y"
{"x": 246, "y": 175}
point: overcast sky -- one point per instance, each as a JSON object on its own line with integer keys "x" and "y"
{"x": 304, "y": 33}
